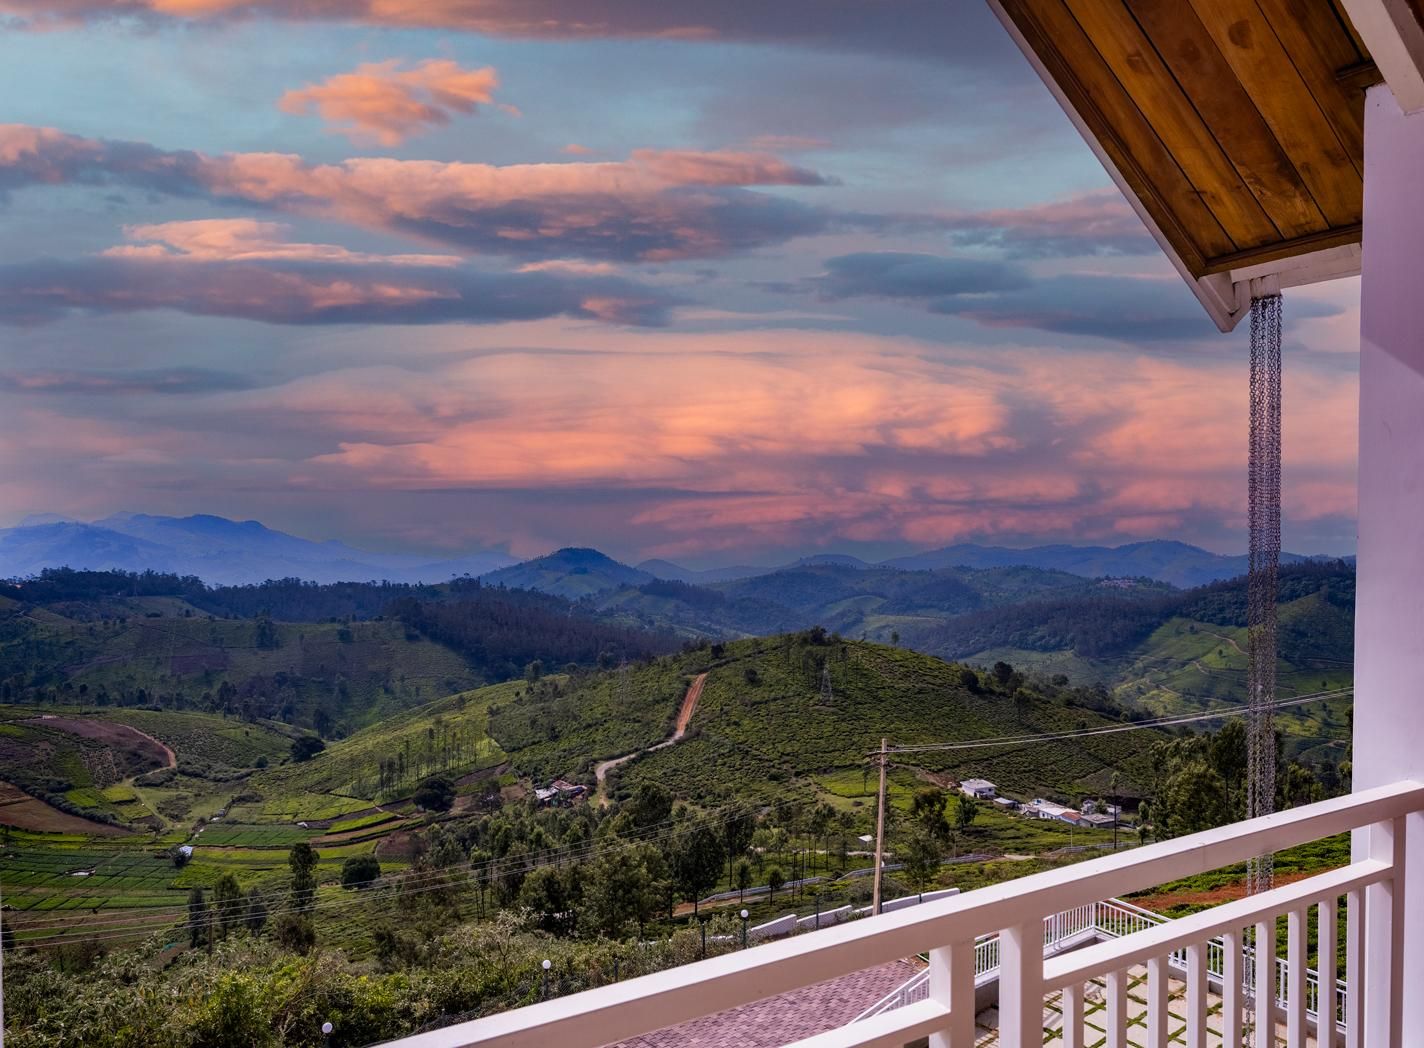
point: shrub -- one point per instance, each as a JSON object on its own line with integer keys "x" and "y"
{"x": 359, "y": 871}
{"x": 295, "y": 932}
{"x": 306, "y": 747}
{"x": 435, "y": 794}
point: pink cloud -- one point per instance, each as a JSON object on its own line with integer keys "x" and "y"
{"x": 790, "y": 438}
{"x": 656, "y": 205}
{"x": 381, "y": 102}
{"x": 923, "y": 27}
{"x": 210, "y": 274}
{"x": 1096, "y": 223}
{"x": 248, "y": 240}
{"x": 698, "y": 442}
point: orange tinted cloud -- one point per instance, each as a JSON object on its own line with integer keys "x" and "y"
{"x": 792, "y": 438}
{"x": 656, "y": 205}
{"x": 248, "y": 240}
{"x": 690, "y": 443}
{"x": 381, "y": 102}
{"x": 930, "y": 28}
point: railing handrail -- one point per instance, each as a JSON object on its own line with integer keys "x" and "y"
{"x": 650, "y": 1002}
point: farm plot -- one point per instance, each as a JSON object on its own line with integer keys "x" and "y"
{"x": 42, "y": 877}
{"x": 234, "y": 835}
{"x": 205, "y": 738}
{"x": 303, "y": 807}
{"x": 20, "y": 810}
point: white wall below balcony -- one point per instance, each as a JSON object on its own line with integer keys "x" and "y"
{"x": 1389, "y": 618}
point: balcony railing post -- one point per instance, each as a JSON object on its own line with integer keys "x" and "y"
{"x": 952, "y": 984}
{"x": 1072, "y": 1005}
{"x": 1115, "y": 994}
{"x": 1295, "y": 976}
{"x": 1326, "y": 1003}
{"x": 1384, "y": 940}
{"x": 1196, "y": 995}
{"x": 1354, "y": 970}
{"x": 1021, "y": 985}
{"x": 1265, "y": 948}
{"x": 1158, "y": 987}
{"x": 1231, "y": 978}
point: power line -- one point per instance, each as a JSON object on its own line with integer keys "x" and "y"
{"x": 128, "y": 925}
{"x": 1159, "y": 722}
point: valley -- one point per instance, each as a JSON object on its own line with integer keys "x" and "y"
{"x": 462, "y": 755}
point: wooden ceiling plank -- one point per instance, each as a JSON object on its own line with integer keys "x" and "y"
{"x": 1139, "y": 69}
{"x": 1320, "y": 46}
{"x": 1121, "y": 130}
{"x": 1250, "y": 46}
{"x": 1283, "y": 98}
{"x": 1209, "y": 81}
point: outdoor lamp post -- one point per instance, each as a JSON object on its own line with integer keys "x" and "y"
{"x": 703, "y": 921}
{"x": 326, "y": 1029}
{"x": 547, "y": 964}
{"x": 744, "y": 915}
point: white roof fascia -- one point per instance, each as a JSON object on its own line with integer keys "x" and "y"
{"x": 1391, "y": 30}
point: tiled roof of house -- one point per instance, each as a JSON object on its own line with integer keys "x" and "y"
{"x": 785, "y": 1017}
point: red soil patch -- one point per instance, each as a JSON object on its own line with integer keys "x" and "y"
{"x": 142, "y": 749}
{"x": 20, "y": 810}
{"x": 1162, "y": 901}
{"x": 689, "y": 705}
{"x": 400, "y": 845}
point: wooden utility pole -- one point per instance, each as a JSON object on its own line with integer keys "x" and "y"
{"x": 880, "y": 825}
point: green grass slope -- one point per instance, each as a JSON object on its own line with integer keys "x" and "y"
{"x": 762, "y": 725}
{"x": 449, "y": 736}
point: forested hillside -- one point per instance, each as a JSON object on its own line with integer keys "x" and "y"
{"x": 799, "y": 712}
{"x": 327, "y": 658}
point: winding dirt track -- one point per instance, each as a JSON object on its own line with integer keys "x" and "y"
{"x": 684, "y": 718}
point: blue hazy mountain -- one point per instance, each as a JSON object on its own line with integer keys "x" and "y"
{"x": 571, "y": 573}
{"x": 1166, "y": 561}
{"x": 217, "y": 550}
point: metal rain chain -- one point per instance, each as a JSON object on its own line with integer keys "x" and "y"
{"x": 1264, "y": 494}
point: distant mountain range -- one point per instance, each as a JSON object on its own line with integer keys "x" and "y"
{"x": 228, "y": 552}
{"x": 217, "y": 550}
{"x": 1166, "y": 561}
{"x": 1163, "y": 560}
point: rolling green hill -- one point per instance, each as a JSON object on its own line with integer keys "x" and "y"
{"x": 764, "y": 726}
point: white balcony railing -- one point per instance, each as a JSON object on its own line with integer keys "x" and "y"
{"x": 1004, "y": 925}
{"x": 1112, "y": 919}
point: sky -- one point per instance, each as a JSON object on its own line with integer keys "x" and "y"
{"x": 704, "y": 281}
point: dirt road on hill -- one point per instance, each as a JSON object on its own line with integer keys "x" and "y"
{"x": 684, "y": 718}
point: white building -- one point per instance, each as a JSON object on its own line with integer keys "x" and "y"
{"x": 979, "y": 789}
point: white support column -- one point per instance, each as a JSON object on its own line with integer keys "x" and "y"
{"x": 1021, "y": 985}
{"x": 952, "y": 984}
{"x": 1389, "y": 609}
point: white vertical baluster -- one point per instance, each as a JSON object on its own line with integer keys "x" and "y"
{"x": 952, "y": 984}
{"x": 1196, "y": 995}
{"x": 1384, "y": 908}
{"x": 1072, "y": 1003}
{"x": 1116, "y": 995}
{"x": 1295, "y": 978}
{"x": 1326, "y": 929}
{"x": 1231, "y": 976}
{"x": 1355, "y": 969}
{"x": 1021, "y": 984}
{"x": 1265, "y": 983}
{"x": 1157, "y": 987}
